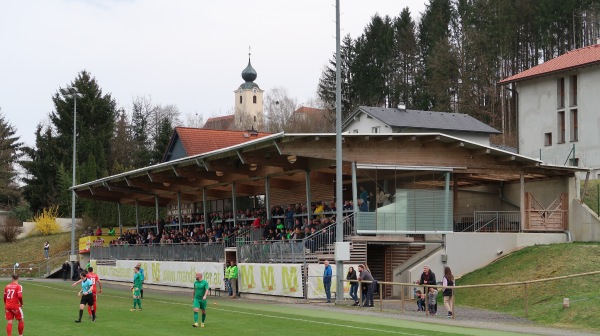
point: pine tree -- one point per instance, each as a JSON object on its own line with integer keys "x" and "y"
{"x": 162, "y": 140}
{"x": 10, "y": 152}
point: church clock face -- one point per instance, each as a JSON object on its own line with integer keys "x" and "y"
{"x": 254, "y": 90}
{"x": 241, "y": 90}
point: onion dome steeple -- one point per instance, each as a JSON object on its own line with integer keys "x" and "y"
{"x": 249, "y": 75}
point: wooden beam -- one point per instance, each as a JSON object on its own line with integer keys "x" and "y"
{"x": 481, "y": 151}
{"x": 507, "y": 158}
{"x": 455, "y": 144}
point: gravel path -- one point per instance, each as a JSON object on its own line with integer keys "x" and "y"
{"x": 465, "y": 317}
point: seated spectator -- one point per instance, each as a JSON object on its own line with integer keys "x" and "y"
{"x": 99, "y": 231}
{"x": 111, "y": 231}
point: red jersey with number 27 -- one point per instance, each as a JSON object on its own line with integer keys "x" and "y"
{"x": 95, "y": 278}
{"x": 13, "y": 295}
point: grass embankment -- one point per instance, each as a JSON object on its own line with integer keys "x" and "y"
{"x": 545, "y": 300}
{"x": 29, "y": 252}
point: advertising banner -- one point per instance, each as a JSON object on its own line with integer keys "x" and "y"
{"x": 170, "y": 273}
{"x": 316, "y": 290}
{"x": 271, "y": 279}
{"x": 97, "y": 241}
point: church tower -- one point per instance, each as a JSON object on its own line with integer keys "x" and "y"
{"x": 248, "y": 102}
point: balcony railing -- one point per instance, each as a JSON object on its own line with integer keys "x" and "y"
{"x": 488, "y": 221}
{"x": 201, "y": 252}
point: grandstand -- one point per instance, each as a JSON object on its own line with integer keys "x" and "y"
{"x": 443, "y": 200}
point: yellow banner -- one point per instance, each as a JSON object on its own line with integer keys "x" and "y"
{"x": 97, "y": 241}
{"x": 271, "y": 279}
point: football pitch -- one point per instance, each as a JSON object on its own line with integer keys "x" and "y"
{"x": 51, "y": 307}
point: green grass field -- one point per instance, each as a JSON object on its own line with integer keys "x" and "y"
{"x": 50, "y": 308}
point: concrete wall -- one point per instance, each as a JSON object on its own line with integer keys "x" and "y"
{"x": 63, "y": 223}
{"x": 543, "y": 191}
{"x": 486, "y": 198}
{"x": 467, "y": 252}
{"x": 584, "y": 224}
{"x": 538, "y": 115}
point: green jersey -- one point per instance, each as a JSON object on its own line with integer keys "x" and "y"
{"x": 137, "y": 280}
{"x": 200, "y": 288}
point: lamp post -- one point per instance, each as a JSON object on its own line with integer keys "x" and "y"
{"x": 72, "y": 93}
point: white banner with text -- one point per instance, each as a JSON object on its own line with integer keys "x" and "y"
{"x": 169, "y": 273}
{"x": 271, "y": 279}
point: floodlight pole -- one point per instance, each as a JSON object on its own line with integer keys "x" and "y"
{"x": 339, "y": 214}
{"x": 72, "y": 93}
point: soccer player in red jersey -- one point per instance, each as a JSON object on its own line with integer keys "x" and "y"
{"x": 13, "y": 305}
{"x": 96, "y": 284}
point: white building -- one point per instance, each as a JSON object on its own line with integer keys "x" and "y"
{"x": 400, "y": 120}
{"x": 558, "y": 109}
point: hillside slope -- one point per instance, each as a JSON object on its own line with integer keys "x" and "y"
{"x": 29, "y": 252}
{"x": 545, "y": 300}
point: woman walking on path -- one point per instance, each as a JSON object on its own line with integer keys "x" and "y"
{"x": 448, "y": 281}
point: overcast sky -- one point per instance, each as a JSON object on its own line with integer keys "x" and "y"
{"x": 187, "y": 53}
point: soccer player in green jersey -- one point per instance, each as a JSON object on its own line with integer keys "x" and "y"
{"x": 199, "y": 296}
{"x": 137, "y": 286}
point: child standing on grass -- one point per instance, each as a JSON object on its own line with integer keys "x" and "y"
{"x": 432, "y": 300}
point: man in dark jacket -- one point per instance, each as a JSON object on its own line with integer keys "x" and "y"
{"x": 66, "y": 268}
{"x": 428, "y": 279}
{"x": 365, "y": 275}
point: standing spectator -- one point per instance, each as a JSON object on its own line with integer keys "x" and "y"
{"x": 327, "y": 275}
{"x": 364, "y": 195}
{"x": 46, "y": 249}
{"x": 13, "y": 304}
{"x": 420, "y": 300}
{"x": 233, "y": 276}
{"x": 432, "y": 300}
{"x": 76, "y": 271}
{"x": 289, "y": 217}
{"x": 382, "y": 198}
{"x": 139, "y": 265}
{"x": 353, "y": 285}
{"x": 65, "y": 269}
{"x": 227, "y": 283}
{"x": 372, "y": 204}
{"x": 427, "y": 278}
{"x": 447, "y": 293}
{"x": 365, "y": 275}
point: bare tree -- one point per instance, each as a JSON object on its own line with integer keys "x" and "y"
{"x": 194, "y": 120}
{"x": 279, "y": 108}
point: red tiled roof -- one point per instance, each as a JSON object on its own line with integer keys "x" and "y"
{"x": 224, "y": 122}
{"x": 199, "y": 140}
{"x": 309, "y": 110}
{"x": 573, "y": 59}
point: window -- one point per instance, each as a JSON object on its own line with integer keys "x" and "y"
{"x": 560, "y": 93}
{"x": 573, "y": 90}
{"x": 574, "y": 131}
{"x": 548, "y": 139}
{"x": 376, "y": 129}
{"x": 574, "y": 162}
{"x": 254, "y": 118}
{"x": 561, "y": 127}
{"x": 355, "y": 130}
{"x": 240, "y": 99}
{"x": 254, "y": 99}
